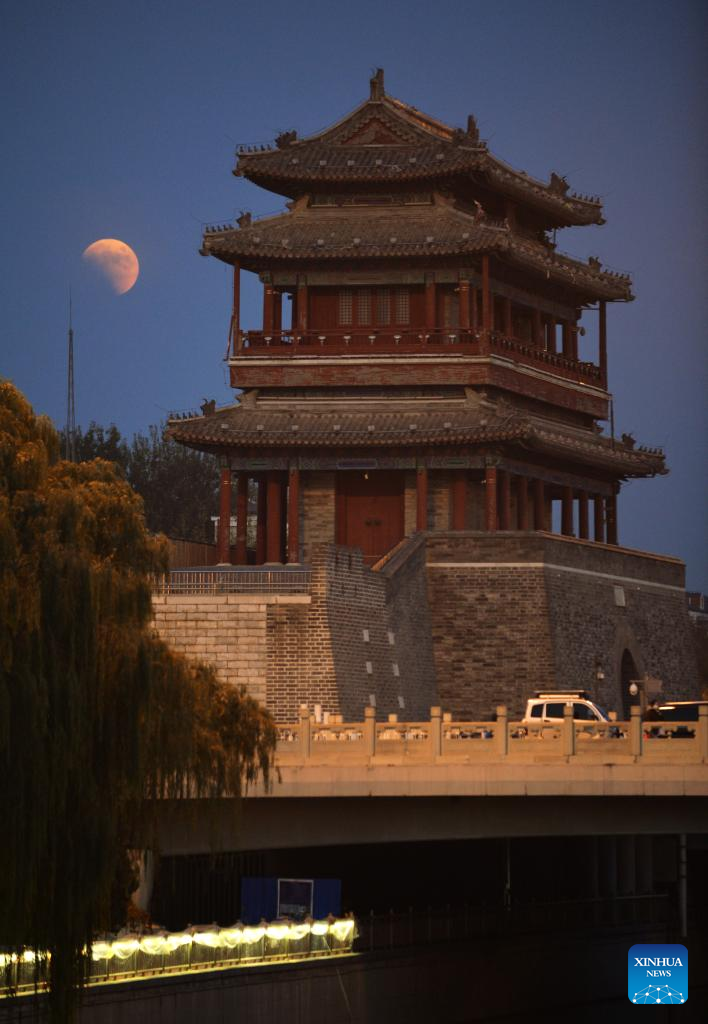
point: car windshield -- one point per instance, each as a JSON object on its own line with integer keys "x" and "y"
{"x": 603, "y": 712}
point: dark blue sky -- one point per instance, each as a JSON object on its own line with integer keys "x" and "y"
{"x": 120, "y": 120}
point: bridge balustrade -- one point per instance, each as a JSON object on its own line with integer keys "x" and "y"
{"x": 444, "y": 741}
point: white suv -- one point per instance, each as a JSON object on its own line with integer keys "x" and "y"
{"x": 548, "y": 709}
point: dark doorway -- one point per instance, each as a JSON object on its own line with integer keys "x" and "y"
{"x": 628, "y": 672}
{"x": 370, "y": 512}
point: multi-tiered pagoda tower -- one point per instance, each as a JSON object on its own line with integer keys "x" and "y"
{"x": 421, "y": 364}
{"x": 418, "y": 363}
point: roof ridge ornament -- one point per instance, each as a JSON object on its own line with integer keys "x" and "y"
{"x": 472, "y": 129}
{"x": 558, "y": 184}
{"x": 376, "y": 86}
{"x": 285, "y": 139}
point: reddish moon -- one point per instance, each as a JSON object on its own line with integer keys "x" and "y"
{"x": 116, "y": 260}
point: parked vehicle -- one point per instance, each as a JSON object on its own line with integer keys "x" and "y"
{"x": 548, "y": 709}
{"x": 681, "y": 711}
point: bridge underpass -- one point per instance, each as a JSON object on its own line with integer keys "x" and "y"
{"x": 269, "y": 823}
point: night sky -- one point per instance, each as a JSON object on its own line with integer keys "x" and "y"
{"x": 120, "y": 120}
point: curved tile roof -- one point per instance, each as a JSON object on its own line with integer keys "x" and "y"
{"x": 387, "y": 140}
{"x": 435, "y": 229}
{"x": 241, "y": 426}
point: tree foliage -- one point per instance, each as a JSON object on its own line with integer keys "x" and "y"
{"x": 178, "y": 486}
{"x": 96, "y": 713}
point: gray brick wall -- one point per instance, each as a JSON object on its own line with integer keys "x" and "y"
{"x": 531, "y": 611}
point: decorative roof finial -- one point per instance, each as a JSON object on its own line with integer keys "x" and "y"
{"x": 472, "y": 129}
{"x": 376, "y": 85}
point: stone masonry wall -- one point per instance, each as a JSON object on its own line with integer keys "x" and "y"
{"x": 513, "y": 613}
{"x": 358, "y": 634}
{"x": 317, "y": 510}
{"x": 467, "y": 619}
{"x": 228, "y": 631}
{"x": 365, "y": 634}
{"x": 491, "y": 635}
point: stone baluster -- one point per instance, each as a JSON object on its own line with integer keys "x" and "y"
{"x": 501, "y": 731}
{"x": 436, "y": 731}
{"x": 369, "y": 731}
{"x": 568, "y": 731}
{"x": 702, "y": 732}
{"x": 636, "y": 738}
{"x": 305, "y": 732}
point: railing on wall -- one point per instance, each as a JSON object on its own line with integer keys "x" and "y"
{"x": 444, "y": 741}
{"x": 453, "y": 341}
{"x": 234, "y": 580}
{"x": 184, "y": 553}
{"x": 129, "y": 957}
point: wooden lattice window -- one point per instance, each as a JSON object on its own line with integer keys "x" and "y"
{"x": 403, "y": 306}
{"x": 451, "y": 310}
{"x": 363, "y": 311}
{"x": 346, "y": 307}
{"x": 383, "y": 306}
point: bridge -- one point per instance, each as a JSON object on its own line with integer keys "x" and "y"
{"x": 370, "y": 781}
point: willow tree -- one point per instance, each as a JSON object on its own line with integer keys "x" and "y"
{"x": 96, "y": 714}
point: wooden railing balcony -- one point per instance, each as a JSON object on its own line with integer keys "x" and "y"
{"x": 388, "y": 342}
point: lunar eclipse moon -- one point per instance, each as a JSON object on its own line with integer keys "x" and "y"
{"x": 116, "y": 261}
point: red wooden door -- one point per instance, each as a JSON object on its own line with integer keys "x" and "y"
{"x": 370, "y": 511}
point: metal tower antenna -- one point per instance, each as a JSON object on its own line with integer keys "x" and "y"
{"x": 70, "y": 439}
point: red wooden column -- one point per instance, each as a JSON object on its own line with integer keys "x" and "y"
{"x": 475, "y": 310}
{"x": 294, "y": 515}
{"x": 459, "y": 494}
{"x": 236, "y": 310}
{"x": 551, "y": 335}
{"x": 277, "y": 311}
{"x": 268, "y": 308}
{"x": 603, "y": 341}
{"x": 302, "y": 319}
{"x": 490, "y": 498}
{"x": 611, "y": 516}
{"x": 241, "y": 518}
{"x": 599, "y": 519}
{"x": 583, "y": 524}
{"x": 567, "y": 340}
{"x": 522, "y": 503}
{"x": 567, "y": 512}
{"x": 261, "y": 521}
{"x": 486, "y": 296}
{"x": 504, "y": 479}
{"x": 223, "y": 551}
{"x": 274, "y": 518}
{"x": 537, "y": 329}
{"x": 508, "y": 326}
{"x": 464, "y": 305}
{"x": 430, "y": 303}
{"x": 421, "y": 494}
{"x": 539, "y": 505}
{"x": 574, "y": 335}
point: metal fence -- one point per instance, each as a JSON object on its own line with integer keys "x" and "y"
{"x": 234, "y": 580}
{"x": 454, "y": 923}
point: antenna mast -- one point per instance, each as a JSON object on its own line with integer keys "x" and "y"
{"x": 70, "y": 439}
